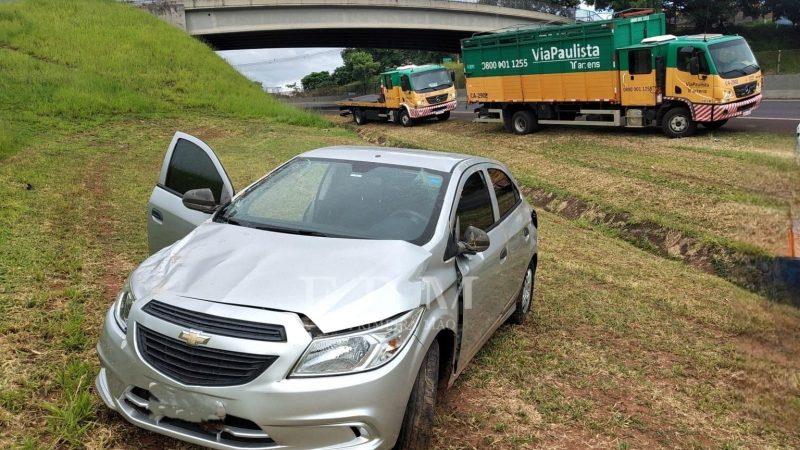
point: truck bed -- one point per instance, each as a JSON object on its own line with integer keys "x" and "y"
{"x": 364, "y": 101}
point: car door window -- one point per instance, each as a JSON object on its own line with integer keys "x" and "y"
{"x": 504, "y": 190}
{"x": 475, "y": 204}
{"x": 191, "y": 168}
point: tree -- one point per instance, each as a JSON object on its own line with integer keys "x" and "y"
{"x": 316, "y": 80}
{"x": 362, "y": 66}
{"x": 785, "y": 8}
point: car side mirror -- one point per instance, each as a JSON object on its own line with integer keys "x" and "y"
{"x": 453, "y": 76}
{"x": 200, "y": 200}
{"x": 694, "y": 65}
{"x": 474, "y": 241}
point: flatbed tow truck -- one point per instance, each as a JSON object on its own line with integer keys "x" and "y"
{"x": 408, "y": 94}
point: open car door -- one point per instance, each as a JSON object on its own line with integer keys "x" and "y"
{"x": 189, "y": 164}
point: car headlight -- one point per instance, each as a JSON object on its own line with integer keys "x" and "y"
{"x": 357, "y": 351}
{"x": 122, "y": 307}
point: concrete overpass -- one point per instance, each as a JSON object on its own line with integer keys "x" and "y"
{"x": 436, "y": 25}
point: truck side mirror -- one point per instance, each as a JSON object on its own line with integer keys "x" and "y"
{"x": 694, "y": 65}
{"x": 453, "y": 76}
{"x": 405, "y": 83}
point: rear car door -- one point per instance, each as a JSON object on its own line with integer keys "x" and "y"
{"x": 515, "y": 225}
{"x": 189, "y": 164}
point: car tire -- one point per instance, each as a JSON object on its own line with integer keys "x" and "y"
{"x": 678, "y": 123}
{"x": 715, "y": 125}
{"x": 443, "y": 116}
{"x": 523, "y": 122}
{"x": 525, "y": 298}
{"x": 359, "y": 117}
{"x": 405, "y": 119}
{"x": 415, "y": 434}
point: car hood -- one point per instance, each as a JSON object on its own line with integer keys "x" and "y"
{"x": 337, "y": 283}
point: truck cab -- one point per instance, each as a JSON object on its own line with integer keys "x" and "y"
{"x": 712, "y": 78}
{"x": 407, "y": 94}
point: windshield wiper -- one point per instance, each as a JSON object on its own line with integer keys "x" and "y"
{"x": 728, "y": 72}
{"x": 299, "y": 231}
{"x": 755, "y": 66}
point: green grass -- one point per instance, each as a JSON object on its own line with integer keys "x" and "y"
{"x": 725, "y": 187}
{"x": 74, "y": 65}
{"x": 624, "y": 348}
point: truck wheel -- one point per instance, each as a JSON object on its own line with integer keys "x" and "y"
{"x": 523, "y": 122}
{"x": 715, "y": 125}
{"x": 418, "y": 420}
{"x": 678, "y": 123}
{"x": 525, "y": 298}
{"x": 359, "y": 117}
{"x": 405, "y": 119}
{"x": 443, "y": 116}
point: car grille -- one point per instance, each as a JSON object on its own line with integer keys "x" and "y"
{"x": 743, "y": 90}
{"x": 199, "y": 366}
{"x": 436, "y": 99}
{"x": 222, "y": 326}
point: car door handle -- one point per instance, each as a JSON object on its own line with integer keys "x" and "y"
{"x": 157, "y": 216}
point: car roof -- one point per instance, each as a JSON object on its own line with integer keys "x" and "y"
{"x": 438, "y": 161}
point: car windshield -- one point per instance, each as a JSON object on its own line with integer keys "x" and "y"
{"x": 431, "y": 80}
{"x": 733, "y": 58}
{"x": 340, "y": 198}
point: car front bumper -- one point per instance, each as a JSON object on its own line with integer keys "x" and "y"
{"x": 363, "y": 411}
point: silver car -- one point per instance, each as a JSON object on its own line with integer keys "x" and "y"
{"x": 320, "y": 307}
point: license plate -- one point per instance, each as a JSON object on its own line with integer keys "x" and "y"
{"x": 189, "y": 406}
{"x": 747, "y": 112}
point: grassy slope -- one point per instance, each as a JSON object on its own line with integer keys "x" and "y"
{"x": 627, "y": 351}
{"x": 77, "y": 64}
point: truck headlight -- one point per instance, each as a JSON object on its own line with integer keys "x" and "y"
{"x": 123, "y": 304}
{"x": 358, "y": 351}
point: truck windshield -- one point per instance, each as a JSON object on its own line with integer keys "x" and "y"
{"x": 431, "y": 80}
{"x": 733, "y": 58}
{"x": 342, "y": 198}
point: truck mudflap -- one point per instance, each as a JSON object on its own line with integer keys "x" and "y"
{"x": 713, "y": 113}
{"x": 427, "y": 111}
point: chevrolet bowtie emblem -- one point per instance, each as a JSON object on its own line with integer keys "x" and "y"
{"x": 193, "y": 337}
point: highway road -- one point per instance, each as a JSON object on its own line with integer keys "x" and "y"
{"x": 774, "y": 116}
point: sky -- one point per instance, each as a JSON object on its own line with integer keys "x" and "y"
{"x": 277, "y": 67}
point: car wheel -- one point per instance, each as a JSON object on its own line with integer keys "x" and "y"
{"x": 678, "y": 123}
{"x": 405, "y": 118}
{"x": 525, "y": 299}
{"x": 715, "y": 125}
{"x": 359, "y": 117}
{"x": 443, "y": 116}
{"x": 415, "y": 433}
{"x": 523, "y": 122}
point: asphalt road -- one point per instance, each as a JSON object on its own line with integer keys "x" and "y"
{"x": 774, "y": 116}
